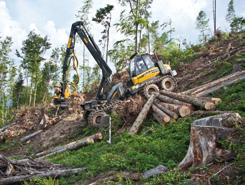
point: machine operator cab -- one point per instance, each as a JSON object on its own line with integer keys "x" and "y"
{"x": 147, "y": 68}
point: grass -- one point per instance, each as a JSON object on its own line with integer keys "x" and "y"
{"x": 155, "y": 145}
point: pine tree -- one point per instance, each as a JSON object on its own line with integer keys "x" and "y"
{"x": 230, "y": 12}
{"x": 202, "y": 24}
{"x": 103, "y": 16}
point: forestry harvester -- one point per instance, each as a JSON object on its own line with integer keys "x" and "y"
{"x": 146, "y": 74}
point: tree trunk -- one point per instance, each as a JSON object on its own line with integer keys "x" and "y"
{"x": 162, "y": 117}
{"x": 35, "y": 95}
{"x": 142, "y": 115}
{"x": 30, "y": 96}
{"x": 207, "y": 105}
{"x": 28, "y": 137}
{"x": 181, "y": 110}
{"x": 166, "y": 110}
{"x": 170, "y": 100}
{"x": 214, "y": 16}
{"x": 71, "y": 146}
{"x": 204, "y": 137}
{"x": 227, "y": 80}
{"x": 49, "y": 173}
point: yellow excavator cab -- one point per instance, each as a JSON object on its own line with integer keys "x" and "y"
{"x": 142, "y": 68}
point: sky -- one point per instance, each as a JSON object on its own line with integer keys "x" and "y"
{"x": 54, "y": 18}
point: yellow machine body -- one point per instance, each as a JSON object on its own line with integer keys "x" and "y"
{"x": 146, "y": 75}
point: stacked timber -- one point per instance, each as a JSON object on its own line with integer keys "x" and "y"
{"x": 169, "y": 106}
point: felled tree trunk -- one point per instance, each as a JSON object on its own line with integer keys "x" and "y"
{"x": 166, "y": 110}
{"x": 205, "y": 134}
{"x": 70, "y": 146}
{"x": 16, "y": 171}
{"x": 181, "y": 110}
{"x": 207, "y": 105}
{"x": 217, "y": 84}
{"x": 160, "y": 116}
{"x": 142, "y": 115}
{"x": 170, "y": 100}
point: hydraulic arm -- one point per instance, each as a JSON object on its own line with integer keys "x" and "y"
{"x": 79, "y": 29}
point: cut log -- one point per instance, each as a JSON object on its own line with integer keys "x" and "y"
{"x": 217, "y": 87}
{"x": 216, "y": 101}
{"x": 166, "y": 110}
{"x": 71, "y": 146}
{"x": 181, "y": 110}
{"x": 170, "y": 100}
{"x": 224, "y": 81}
{"x": 28, "y": 137}
{"x": 190, "y": 99}
{"x": 204, "y": 137}
{"x": 160, "y": 114}
{"x": 166, "y": 119}
{"x": 142, "y": 115}
{"x": 49, "y": 173}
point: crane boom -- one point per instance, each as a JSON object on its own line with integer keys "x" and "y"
{"x": 79, "y": 29}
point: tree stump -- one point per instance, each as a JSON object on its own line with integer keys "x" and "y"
{"x": 205, "y": 135}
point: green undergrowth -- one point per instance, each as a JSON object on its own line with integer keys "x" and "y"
{"x": 153, "y": 146}
{"x": 233, "y": 98}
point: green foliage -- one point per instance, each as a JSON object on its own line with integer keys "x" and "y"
{"x": 122, "y": 51}
{"x": 42, "y": 181}
{"x": 34, "y": 47}
{"x": 238, "y": 24}
{"x": 202, "y": 25}
{"x": 173, "y": 177}
{"x": 7, "y": 75}
{"x": 155, "y": 145}
{"x": 103, "y": 16}
{"x": 230, "y": 12}
{"x": 233, "y": 98}
{"x": 84, "y": 11}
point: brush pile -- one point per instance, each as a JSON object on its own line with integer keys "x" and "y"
{"x": 15, "y": 171}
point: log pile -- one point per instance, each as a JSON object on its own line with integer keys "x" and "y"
{"x": 17, "y": 171}
{"x": 167, "y": 106}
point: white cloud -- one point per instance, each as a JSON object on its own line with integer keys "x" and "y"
{"x": 9, "y": 27}
{"x": 57, "y": 36}
{"x": 14, "y": 29}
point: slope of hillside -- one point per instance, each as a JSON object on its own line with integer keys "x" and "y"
{"x": 127, "y": 156}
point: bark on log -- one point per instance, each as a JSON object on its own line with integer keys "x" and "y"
{"x": 181, "y": 110}
{"x": 160, "y": 120}
{"x": 71, "y": 146}
{"x": 190, "y": 99}
{"x": 142, "y": 115}
{"x": 170, "y": 100}
{"x": 49, "y": 173}
{"x": 217, "y": 87}
{"x": 204, "y": 137}
{"x": 162, "y": 115}
{"x": 28, "y": 137}
{"x": 166, "y": 110}
{"x": 224, "y": 81}
{"x": 216, "y": 101}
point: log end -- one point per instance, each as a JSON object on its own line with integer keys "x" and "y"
{"x": 209, "y": 106}
{"x": 184, "y": 111}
